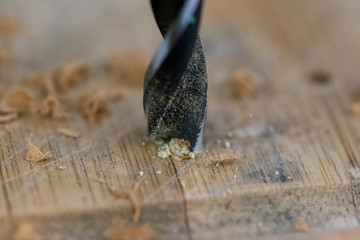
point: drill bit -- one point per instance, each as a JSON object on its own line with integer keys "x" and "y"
{"x": 175, "y": 85}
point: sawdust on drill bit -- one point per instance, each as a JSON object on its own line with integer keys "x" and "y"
{"x": 17, "y": 100}
{"x": 34, "y": 154}
{"x": 130, "y": 68}
{"x": 225, "y": 158}
{"x": 52, "y": 107}
{"x": 93, "y": 103}
{"x": 129, "y": 233}
{"x": 8, "y": 25}
{"x": 8, "y": 117}
{"x": 68, "y": 132}
{"x": 244, "y": 82}
{"x": 26, "y": 231}
{"x": 302, "y": 226}
{"x": 71, "y": 74}
{"x": 179, "y": 149}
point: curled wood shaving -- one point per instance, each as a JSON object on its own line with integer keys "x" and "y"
{"x": 129, "y": 67}
{"x": 130, "y": 233}
{"x": 26, "y": 231}
{"x": 8, "y": 25}
{"x": 245, "y": 82}
{"x": 52, "y": 107}
{"x": 17, "y": 100}
{"x": 226, "y": 158}
{"x": 302, "y": 226}
{"x": 8, "y": 117}
{"x": 131, "y": 196}
{"x": 94, "y": 103}
{"x": 68, "y": 132}
{"x": 34, "y": 154}
{"x": 72, "y": 73}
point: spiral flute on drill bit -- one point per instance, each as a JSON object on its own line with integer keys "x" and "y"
{"x": 175, "y": 86}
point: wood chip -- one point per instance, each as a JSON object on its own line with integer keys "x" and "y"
{"x": 71, "y": 74}
{"x": 129, "y": 233}
{"x": 61, "y": 167}
{"x": 68, "y": 132}
{"x": 51, "y": 107}
{"x": 355, "y": 108}
{"x": 26, "y": 231}
{"x": 17, "y": 100}
{"x": 94, "y": 103}
{"x": 34, "y": 154}
{"x": 8, "y": 117}
{"x": 99, "y": 180}
{"x": 132, "y": 197}
{"x": 226, "y": 158}
{"x": 130, "y": 68}
{"x": 244, "y": 82}
{"x": 8, "y": 25}
{"x": 302, "y": 226}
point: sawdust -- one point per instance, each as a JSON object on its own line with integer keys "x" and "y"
{"x": 34, "y": 154}
{"x": 132, "y": 197}
{"x": 130, "y": 68}
{"x": 179, "y": 149}
{"x": 93, "y": 103}
{"x": 8, "y": 117}
{"x": 225, "y": 158}
{"x": 51, "y": 107}
{"x": 244, "y": 82}
{"x": 26, "y": 231}
{"x": 129, "y": 233}
{"x": 8, "y": 25}
{"x": 68, "y": 132}
{"x": 17, "y": 100}
{"x": 71, "y": 74}
{"x": 302, "y": 226}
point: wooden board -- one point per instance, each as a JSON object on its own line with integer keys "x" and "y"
{"x": 295, "y": 141}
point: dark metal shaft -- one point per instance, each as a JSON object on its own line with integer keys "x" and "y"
{"x": 175, "y": 86}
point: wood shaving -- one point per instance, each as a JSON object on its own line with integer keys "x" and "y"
{"x": 71, "y": 74}
{"x": 226, "y": 158}
{"x": 26, "y": 231}
{"x": 34, "y": 154}
{"x": 8, "y": 25}
{"x": 3, "y": 55}
{"x": 131, "y": 196}
{"x": 99, "y": 180}
{"x": 179, "y": 149}
{"x": 52, "y": 107}
{"x": 129, "y": 233}
{"x": 68, "y": 132}
{"x": 61, "y": 167}
{"x": 302, "y": 226}
{"x": 129, "y": 68}
{"x": 17, "y": 100}
{"x": 94, "y": 103}
{"x": 49, "y": 83}
{"x": 355, "y": 108}
{"x": 244, "y": 82}
{"x": 8, "y": 117}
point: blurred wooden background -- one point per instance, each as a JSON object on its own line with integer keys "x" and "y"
{"x": 297, "y": 143}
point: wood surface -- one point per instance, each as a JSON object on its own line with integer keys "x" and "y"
{"x": 295, "y": 140}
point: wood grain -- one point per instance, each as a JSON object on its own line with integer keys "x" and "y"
{"x": 295, "y": 140}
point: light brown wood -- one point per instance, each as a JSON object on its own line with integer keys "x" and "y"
{"x": 295, "y": 140}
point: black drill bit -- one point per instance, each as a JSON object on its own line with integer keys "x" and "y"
{"x": 175, "y": 86}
